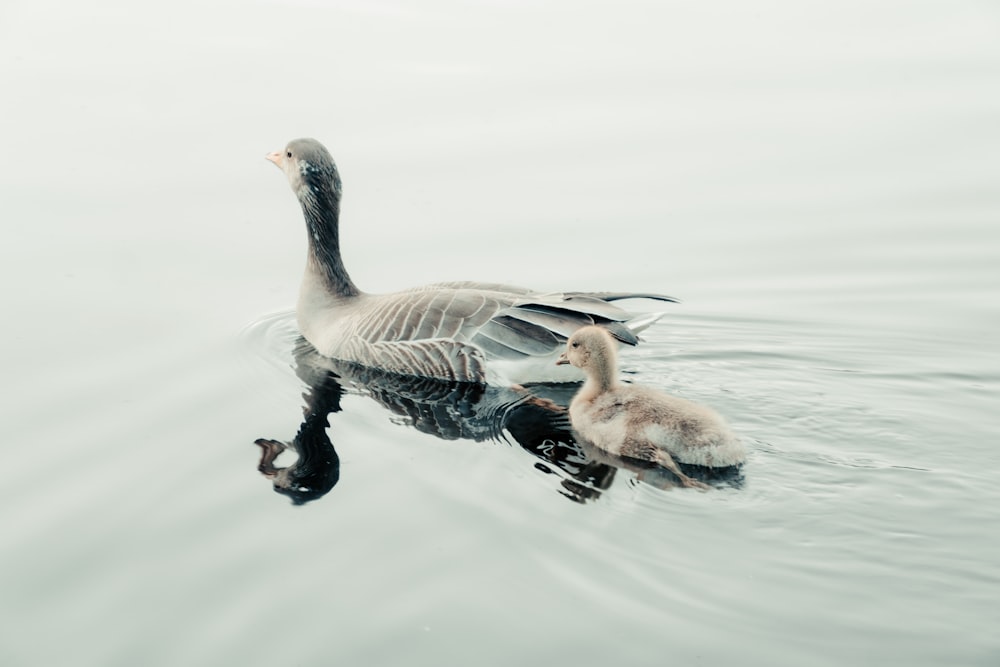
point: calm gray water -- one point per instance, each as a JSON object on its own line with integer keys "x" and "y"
{"x": 817, "y": 181}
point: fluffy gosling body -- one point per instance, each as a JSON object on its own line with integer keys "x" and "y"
{"x": 639, "y": 422}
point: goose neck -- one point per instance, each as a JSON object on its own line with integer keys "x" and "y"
{"x": 602, "y": 376}
{"x": 322, "y": 213}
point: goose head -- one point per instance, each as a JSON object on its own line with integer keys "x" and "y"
{"x": 314, "y": 179}
{"x": 310, "y": 169}
{"x": 591, "y": 349}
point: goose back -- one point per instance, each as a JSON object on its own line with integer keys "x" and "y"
{"x": 456, "y": 331}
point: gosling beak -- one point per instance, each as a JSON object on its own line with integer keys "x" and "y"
{"x": 562, "y": 360}
{"x": 277, "y": 157}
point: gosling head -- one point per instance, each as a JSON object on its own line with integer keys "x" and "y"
{"x": 309, "y": 168}
{"x": 591, "y": 349}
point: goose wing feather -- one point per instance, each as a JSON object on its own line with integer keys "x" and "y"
{"x": 618, "y": 296}
{"x": 559, "y": 321}
{"x": 579, "y": 303}
{"x": 434, "y": 358}
{"x": 424, "y": 314}
{"x": 519, "y": 337}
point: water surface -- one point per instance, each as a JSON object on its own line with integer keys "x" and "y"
{"x": 816, "y": 182}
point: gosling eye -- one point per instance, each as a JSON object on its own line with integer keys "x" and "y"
{"x": 288, "y": 154}
{"x": 574, "y": 344}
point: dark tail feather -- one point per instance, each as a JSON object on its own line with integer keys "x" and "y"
{"x": 621, "y": 333}
{"x": 617, "y": 296}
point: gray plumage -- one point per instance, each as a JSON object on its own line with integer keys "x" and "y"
{"x": 462, "y": 331}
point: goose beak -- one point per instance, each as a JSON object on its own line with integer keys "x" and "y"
{"x": 562, "y": 360}
{"x": 277, "y": 158}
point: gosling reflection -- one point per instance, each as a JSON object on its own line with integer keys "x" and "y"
{"x": 651, "y": 474}
{"x": 535, "y": 419}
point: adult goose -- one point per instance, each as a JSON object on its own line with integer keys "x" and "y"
{"x": 639, "y": 422}
{"x": 459, "y": 331}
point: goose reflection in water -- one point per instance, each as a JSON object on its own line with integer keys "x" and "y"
{"x": 535, "y": 418}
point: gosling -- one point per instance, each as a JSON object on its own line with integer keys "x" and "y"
{"x": 639, "y": 422}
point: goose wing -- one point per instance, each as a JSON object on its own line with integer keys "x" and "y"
{"x": 439, "y": 358}
{"x": 423, "y": 331}
{"x": 450, "y": 330}
{"x": 540, "y": 324}
{"x": 426, "y": 313}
